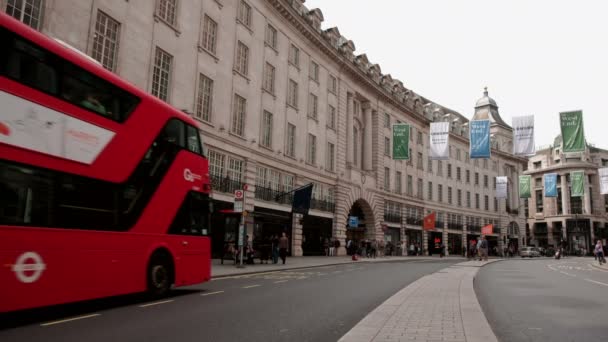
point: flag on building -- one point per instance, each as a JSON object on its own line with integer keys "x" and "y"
{"x": 551, "y": 185}
{"x": 429, "y": 221}
{"x": 479, "y": 139}
{"x": 439, "y": 140}
{"x": 573, "y": 133}
{"x": 501, "y": 187}
{"x": 603, "y": 174}
{"x": 401, "y": 141}
{"x": 523, "y": 135}
{"x": 487, "y": 229}
{"x": 524, "y": 186}
{"x": 577, "y": 179}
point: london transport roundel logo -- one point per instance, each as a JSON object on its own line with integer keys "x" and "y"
{"x": 29, "y": 267}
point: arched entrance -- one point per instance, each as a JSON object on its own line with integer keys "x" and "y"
{"x": 360, "y": 224}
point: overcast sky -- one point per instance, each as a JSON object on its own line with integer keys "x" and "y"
{"x": 536, "y": 57}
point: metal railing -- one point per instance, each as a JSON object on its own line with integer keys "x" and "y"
{"x": 270, "y": 195}
{"x": 322, "y": 205}
{"x": 415, "y": 221}
{"x": 455, "y": 226}
{"x": 474, "y": 229}
{"x": 225, "y": 184}
{"x": 392, "y": 217}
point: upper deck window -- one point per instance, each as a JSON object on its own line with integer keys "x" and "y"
{"x": 40, "y": 69}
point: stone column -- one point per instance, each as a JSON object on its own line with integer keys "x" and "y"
{"x": 586, "y": 199}
{"x": 444, "y": 236}
{"x": 550, "y": 239}
{"x": 367, "y": 137}
{"x": 296, "y": 232}
{"x": 424, "y": 244}
{"x": 349, "y": 128}
{"x": 565, "y": 196}
{"x": 465, "y": 242}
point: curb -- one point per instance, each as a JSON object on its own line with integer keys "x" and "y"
{"x": 316, "y": 266}
{"x": 599, "y": 267}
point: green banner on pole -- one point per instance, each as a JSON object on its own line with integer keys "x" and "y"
{"x": 573, "y": 133}
{"x": 524, "y": 186}
{"x": 401, "y": 141}
{"x": 577, "y": 181}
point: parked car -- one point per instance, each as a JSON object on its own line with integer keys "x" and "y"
{"x": 530, "y": 252}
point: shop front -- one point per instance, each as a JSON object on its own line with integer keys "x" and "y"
{"x": 435, "y": 240}
{"x": 315, "y": 230}
{"x": 270, "y": 223}
{"x": 455, "y": 244}
{"x": 224, "y": 227}
{"x": 579, "y": 236}
{"x": 414, "y": 237}
{"x": 392, "y": 241}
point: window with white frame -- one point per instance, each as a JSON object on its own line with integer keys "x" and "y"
{"x": 266, "y": 136}
{"x": 161, "y": 74}
{"x": 330, "y": 156}
{"x": 459, "y": 197}
{"x": 241, "y": 63}
{"x": 216, "y": 163}
{"x": 27, "y": 11}
{"x": 468, "y": 199}
{"x": 419, "y": 188}
{"x": 429, "y": 165}
{"x": 440, "y": 168}
{"x": 476, "y": 201}
{"x": 449, "y": 195}
{"x": 311, "y": 149}
{"x": 105, "y": 41}
{"x": 467, "y": 176}
{"x": 486, "y": 202}
{"x": 387, "y": 146}
{"x": 292, "y": 94}
{"x": 235, "y": 169}
{"x": 419, "y": 138}
{"x": 331, "y": 116}
{"x": 458, "y": 154}
{"x": 288, "y": 182}
{"x": 409, "y": 185}
{"x": 290, "y": 149}
{"x": 313, "y": 106}
{"x": 397, "y": 182}
{"x": 294, "y": 56}
{"x": 244, "y": 13}
{"x": 429, "y": 194}
{"x": 269, "y": 77}
{"x": 332, "y": 84}
{"x": 387, "y": 120}
{"x": 356, "y": 146}
{"x": 204, "y": 98}
{"x": 271, "y": 36}
{"x": 313, "y": 73}
{"x": 238, "y": 115}
{"x": 419, "y": 161}
{"x": 387, "y": 179}
{"x": 439, "y": 192}
{"x": 167, "y": 11}
{"x": 458, "y": 174}
{"x": 209, "y": 38}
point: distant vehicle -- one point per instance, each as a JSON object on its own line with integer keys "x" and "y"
{"x": 104, "y": 189}
{"x": 530, "y": 252}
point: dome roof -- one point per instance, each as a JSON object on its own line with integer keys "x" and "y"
{"x": 486, "y": 100}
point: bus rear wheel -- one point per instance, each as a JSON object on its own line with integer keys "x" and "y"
{"x": 160, "y": 275}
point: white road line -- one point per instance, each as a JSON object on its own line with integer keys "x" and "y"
{"x": 597, "y": 282}
{"x": 156, "y": 303}
{"x": 568, "y": 274}
{"x": 281, "y": 281}
{"x": 336, "y": 272}
{"x": 250, "y": 286}
{"x": 211, "y": 293}
{"x": 69, "y": 320}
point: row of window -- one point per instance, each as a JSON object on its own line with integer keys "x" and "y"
{"x": 394, "y": 211}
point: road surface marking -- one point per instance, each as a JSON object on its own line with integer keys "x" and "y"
{"x": 597, "y": 282}
{"x": 245, "y": 275}
{"x": 281, "y": 281}
{"x": 250, "y": 286}
{"x": 69, "y": 320}
{"x": 336, "y": 272}
{"x": 156, "y": 303}
{"x": 572, "y": 275}
{"x": 211, "y": 293}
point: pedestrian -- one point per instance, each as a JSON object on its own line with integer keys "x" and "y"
{"x": 381, "y": 247}
{"x": 326, "y": 250}
{"x": 283, "y": 245}
{"x": 599, "y": 252}
{"x": 374, "y": 248}
{"x": 441, "y": 250}
{"x": 275, "y": 249}
{"x": 483, "y": 249}
{"x": 336, "y": 246}
{"x": 412, "y": 249}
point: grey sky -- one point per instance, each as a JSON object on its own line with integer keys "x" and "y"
{"x": 536, "y": 57}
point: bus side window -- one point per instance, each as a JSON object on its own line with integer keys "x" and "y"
{"x": 174, "y": 133}
{"x": 194, "y": 142}
{"x": 192, "y": 216}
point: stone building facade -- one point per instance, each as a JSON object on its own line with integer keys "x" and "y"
{"x": 283, "y": 102}
{"x": 571, "y": 222}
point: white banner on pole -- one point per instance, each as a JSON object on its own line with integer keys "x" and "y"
{"x": 523, "y": 135}
{"x": 603, "y": 172}
{"x": 501, "y": 187}
{"x": 439, "y": 140}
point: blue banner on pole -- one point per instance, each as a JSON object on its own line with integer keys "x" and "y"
{"x": 551, "y": 185}
{"x": 479, "y": 141}
{"x": 353, "y": 222}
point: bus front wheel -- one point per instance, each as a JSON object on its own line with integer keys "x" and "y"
{"x": 160, "y": 274}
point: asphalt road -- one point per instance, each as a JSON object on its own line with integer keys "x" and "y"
{"x": 545, "y": 300}
{"x": 315, "y": 304}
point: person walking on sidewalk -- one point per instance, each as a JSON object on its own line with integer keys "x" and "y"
{"x": 336, "y": 246}
{"x": 326, "y": 249}
{"x": 483, "y": 249}
{"x": 599, "y": 252}
{"x": 275, "y": 249}
{"x": 283, "y": 245}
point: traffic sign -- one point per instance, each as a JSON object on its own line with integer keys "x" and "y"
{"x": 238, "y": 206}
{"x": 238, "y": 194}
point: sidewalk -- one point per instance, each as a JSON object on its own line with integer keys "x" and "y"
{"x": 229, "y": 269}
{"x": 437, "y": 307}
{"x": 595, "y": 264}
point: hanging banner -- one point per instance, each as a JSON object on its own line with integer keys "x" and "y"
{"x": 439, "y": 139}
{"x": 401, "y": 141}
{"x": 573, "y": 133}
{"x": 577, "y": 179}
{"x": 551, "y": 185}
{"x": 523, "y": 136}
{"x": 524, "y": 186}
{"x": 501, "y": 187}
{"x": 487, "y": 229}
{"x": 603, "y": 174}
{"x": 479, "y": 139}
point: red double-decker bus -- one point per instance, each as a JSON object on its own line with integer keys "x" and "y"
{"x": 104, "y": 189}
